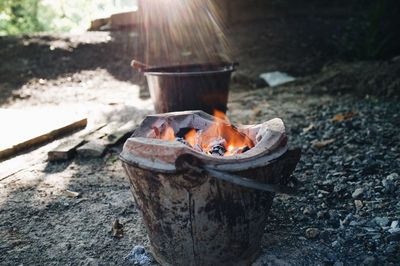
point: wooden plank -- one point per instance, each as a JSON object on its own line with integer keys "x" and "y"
{"x": 103, "y": 131}
{"x": 108, "y": 136}
{"x": 67, "y": 149}
{"x": 123, "y": 132}
{"x": 92, "y": 149}
{"x": 97, "y": 142}
{"x": 30, "y": 142}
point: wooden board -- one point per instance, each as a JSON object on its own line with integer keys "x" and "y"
{"x": 92, "y": 149}
{"x": 121, "y": 133}
{"x": 107, "y": 136}
{"x": 24, "y": 129}
{"x": 66, "y": 150}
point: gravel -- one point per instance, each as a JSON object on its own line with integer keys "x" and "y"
{"x": 346, "y": 212}
{"x": 350, "y": 185}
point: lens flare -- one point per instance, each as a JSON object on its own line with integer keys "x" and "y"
{"x": 181, "y": 32}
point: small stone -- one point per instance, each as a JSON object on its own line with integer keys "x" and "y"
{"x": 370, "y": 261}
{"x": 139, "y": 256}
{"x": 393, "y": 237}
{"x": 312, "y": 232}
{"x": 388, "y": 185}
{"x": 334, "y": 218}
{"x": 72, "y": 194}
{"x": 338, "y": 263}
{"x": 395, "y": 230}
{"x": 322, "y": 214}
{"x": 308, "y": 210}
{"x": 353, "y": 223}
{"x": 346, "y": 219}
{"x": 357, "y": 193}
{"x": 394, "y": 227}
{"x": 359, "y": 204}
{"x": 370, "y": 245}
{"x": 393, "y": 177}
{"x": 392, "y": 248}
{"x": 394, "y": 224}
{"x": 335, "y": 244}
{"x": 90, "y": 261}
{"x": 381, "y": 221}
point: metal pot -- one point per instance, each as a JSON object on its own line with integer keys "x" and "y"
{"x": 189, "y": 87}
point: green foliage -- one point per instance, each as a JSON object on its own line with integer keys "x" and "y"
{"x": 19, "y": 16}
{"x": 375, "y": 33}
{"x": 26, "y": 16}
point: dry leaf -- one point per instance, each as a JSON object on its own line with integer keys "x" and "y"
{"x": 310, "y": 127}
{"x": 343, "y": 117}
{"x": 322, "y": 143}
{"x": 117, "y": 229}
{"x": 72, "y": 194}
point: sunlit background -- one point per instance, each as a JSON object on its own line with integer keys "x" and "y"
{"x": 22, "y": 16}
{"x": 182, "y": 31}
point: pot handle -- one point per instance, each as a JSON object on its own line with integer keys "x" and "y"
{"x": 138, "y": 65}
{"x": 188, "y": 162}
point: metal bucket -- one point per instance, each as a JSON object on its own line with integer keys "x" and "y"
{"x": 189, "y": 87}
{"x": 201, "y": 220}
{"x": 200, "y": 209}
{"x": 202, "y": 217}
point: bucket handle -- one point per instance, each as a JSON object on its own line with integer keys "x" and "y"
{"x": 135, "y": 64}
{"x": 188, "y": 162}
{"x": 234, "y": 65}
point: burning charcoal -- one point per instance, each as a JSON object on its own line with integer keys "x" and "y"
{"x": 217, "y": 149}
{"x": 183, "y": 131}
{"x": 238, "y": 150}
{"x": 244, "y": 149}
{"x": 182, "y": 140}
{"x": 217, "y": 141}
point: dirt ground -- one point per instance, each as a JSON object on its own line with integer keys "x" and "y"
{"x": 40, "y": 224}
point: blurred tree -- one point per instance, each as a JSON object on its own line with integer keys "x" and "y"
{"x": 25, "y": 16}
{"x": 374, "y": 33}
{"x": 19, "y": 16}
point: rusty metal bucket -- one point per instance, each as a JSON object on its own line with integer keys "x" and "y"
{"x": 189, "y": 87}
{"x": 202, "y": 211}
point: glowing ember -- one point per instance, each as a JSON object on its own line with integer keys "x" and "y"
{"x": 220, "y": 138}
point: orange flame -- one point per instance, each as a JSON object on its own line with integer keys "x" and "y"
{"x": 220, "y": 132}
{"x": 220, "y": 115}
{"x": 221, "y": 129}
{"x": 190, "y": 137}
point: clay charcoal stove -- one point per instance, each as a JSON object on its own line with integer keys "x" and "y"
{"x": 205, "y": 187}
